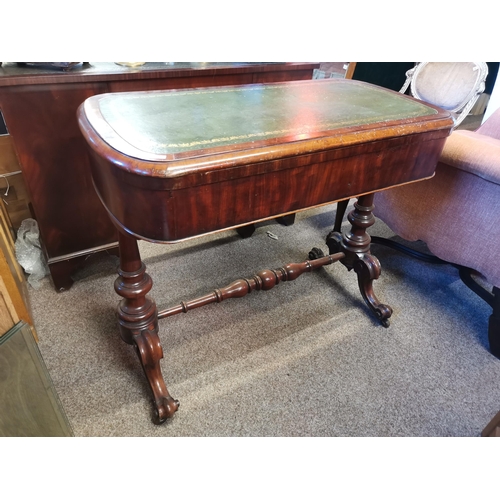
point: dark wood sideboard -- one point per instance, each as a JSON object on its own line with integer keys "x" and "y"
{"x": 39, "y": 107}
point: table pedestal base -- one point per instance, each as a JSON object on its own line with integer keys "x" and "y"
{"x": 356, "y": 245}
{"x": 138, "y": 321}
{"x": 138, "y": 315}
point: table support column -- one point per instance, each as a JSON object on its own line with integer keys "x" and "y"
{"x": 356, "y": 246}
{"x": 138, "y": 322}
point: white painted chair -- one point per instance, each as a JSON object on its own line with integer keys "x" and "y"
{"x": 454, "y": 86}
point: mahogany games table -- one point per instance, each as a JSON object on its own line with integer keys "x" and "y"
{"x": 172, "y": 165}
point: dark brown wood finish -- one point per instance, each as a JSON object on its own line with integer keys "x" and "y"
{"x": 218, "y": 188}
{"x": 39, "y": 107}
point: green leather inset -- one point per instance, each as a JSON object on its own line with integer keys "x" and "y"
{"x": 163, "y": 122}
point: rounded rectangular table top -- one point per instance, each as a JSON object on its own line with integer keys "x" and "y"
{"x": 168, "y": 126}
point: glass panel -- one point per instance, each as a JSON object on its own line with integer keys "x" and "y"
{"x": 29, "y": 403}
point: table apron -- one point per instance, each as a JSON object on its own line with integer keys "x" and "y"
{"x": 157, "y": 212}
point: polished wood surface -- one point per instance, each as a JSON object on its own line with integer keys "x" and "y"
{"x": 39, "y": 107}
{"x": 164, "y": 177}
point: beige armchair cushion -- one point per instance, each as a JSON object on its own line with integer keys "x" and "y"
{"x": 474, "y": 153}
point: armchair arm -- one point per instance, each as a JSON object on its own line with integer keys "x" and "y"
{"x": 474, "y": 153}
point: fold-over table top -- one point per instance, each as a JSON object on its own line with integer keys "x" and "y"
{"x": 167, "y": 126}
{"x": 169, "y": 165}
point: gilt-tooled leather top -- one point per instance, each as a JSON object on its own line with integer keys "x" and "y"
{"x": 163, "y": 125}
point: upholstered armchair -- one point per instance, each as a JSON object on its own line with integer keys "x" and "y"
{"x": 457, "y": 212}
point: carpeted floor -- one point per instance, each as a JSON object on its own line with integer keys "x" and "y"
{"x": 303, "y": 359}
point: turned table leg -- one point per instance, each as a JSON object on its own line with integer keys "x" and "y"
{"x": 138, "y": 322}
{"x": 356, "y": 246}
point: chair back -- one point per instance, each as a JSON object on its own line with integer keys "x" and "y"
{"x": 454, "y": 86}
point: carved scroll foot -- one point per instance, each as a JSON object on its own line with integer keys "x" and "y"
{"x": 138, "y": 322}
{"x": 150, "y": 352}
{"x": 367, "y": 267}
